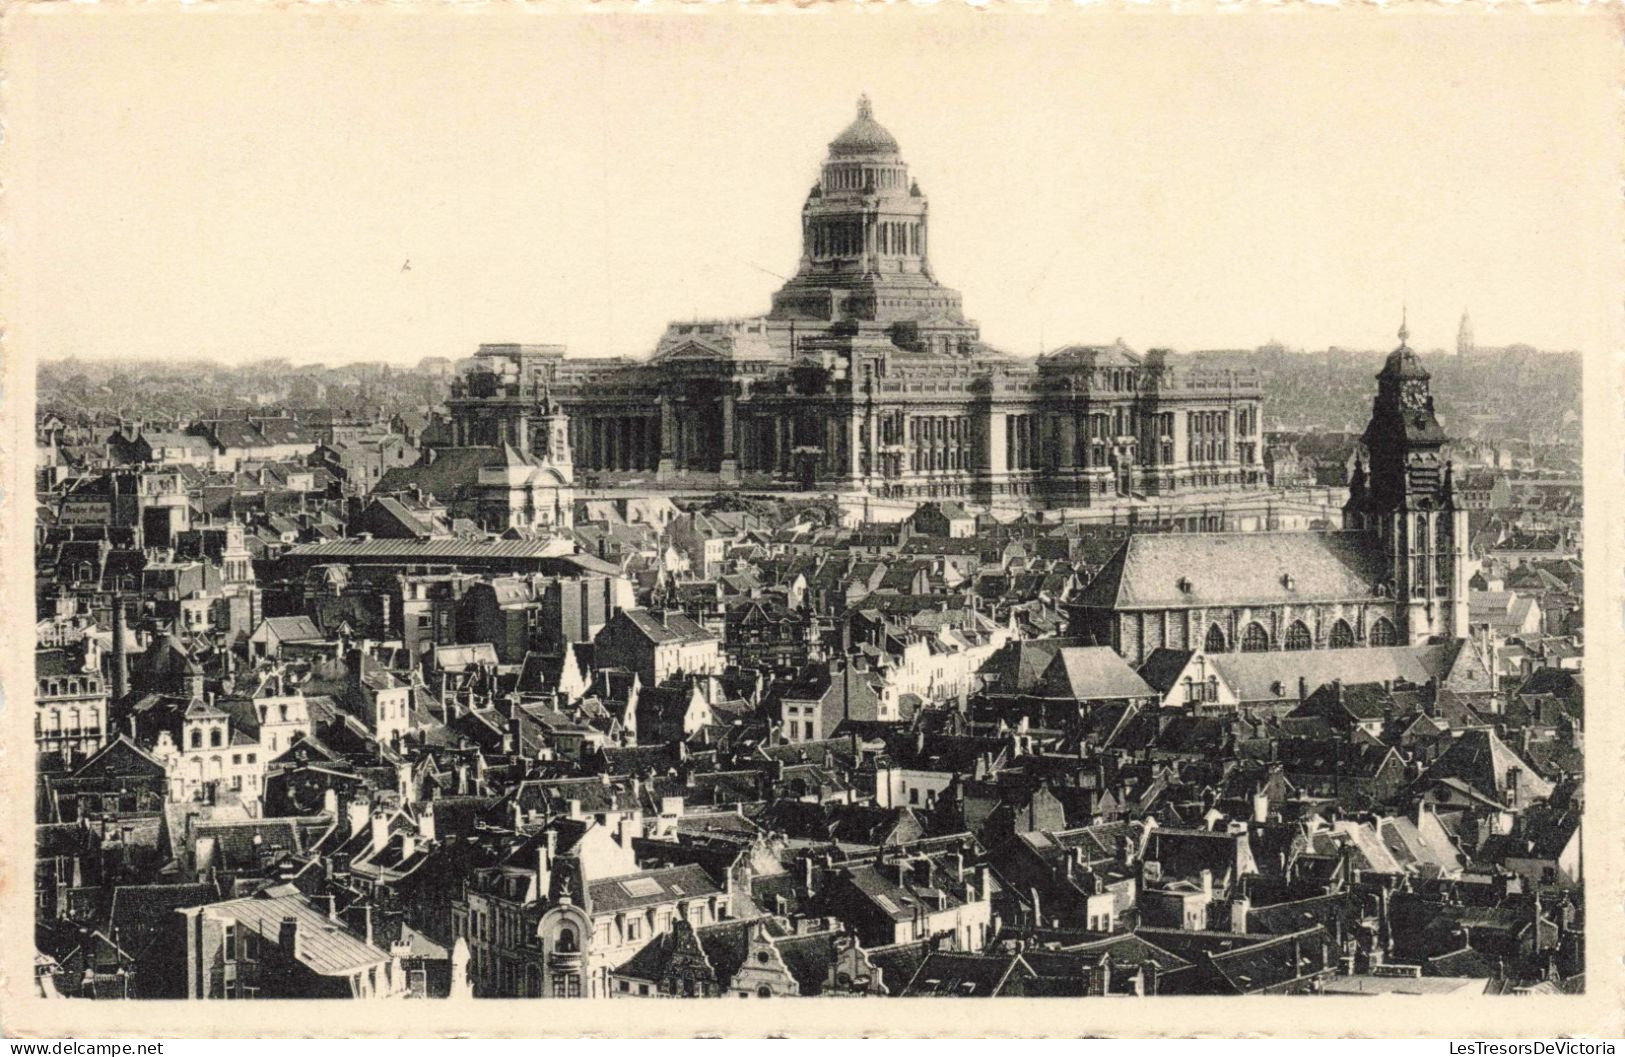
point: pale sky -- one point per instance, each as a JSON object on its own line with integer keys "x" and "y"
{"x": 345, "y": 184}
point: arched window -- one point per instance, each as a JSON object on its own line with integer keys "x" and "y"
{"x": 764, "y": 992}
{"x": 214, "y": 738}
{"x": 197, "y": 739}
{"x": 1342, "y": 636}
{"x": 567, "y": 943}
{"x": 1255, "y": 639}
{"x": 1298, "y": 637}
{"x": 1215, "y": 640}
{"x": 1383, "y": 633}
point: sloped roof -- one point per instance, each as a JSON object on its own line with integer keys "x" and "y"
{"x": 1483, "y": 761}
{"x": 1274, "y": 675}
{"x": 325, "y": 947}
{"x": 651, "y": 887}
{"x": 1189, "y": 570}
{"x": 1086, "y": 673}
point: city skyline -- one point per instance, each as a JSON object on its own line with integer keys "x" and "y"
{"x": 479, "y": 204}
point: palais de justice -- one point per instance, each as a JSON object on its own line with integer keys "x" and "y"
{"x": 866, "y": 375}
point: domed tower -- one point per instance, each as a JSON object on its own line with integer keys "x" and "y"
{"x": 865, "y": 239}
{"x": 1405, "y": 496}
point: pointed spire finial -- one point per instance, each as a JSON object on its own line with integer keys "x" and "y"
{"x": 1404, "y": 329}
{"x": 865, "y": 110}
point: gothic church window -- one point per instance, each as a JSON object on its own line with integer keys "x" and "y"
{"x": 1255, "y": 639}
{"x": 1298, "y": 637}
{"x": 1342, "y": 636}
{"x": 1383, "y": 632}
{"x": 1215, "y": 642}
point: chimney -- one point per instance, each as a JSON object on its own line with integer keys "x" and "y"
{"x": 1239, "y": 908}
{"x": 575, "y": 808}
{"x": 544, "y": 865}
{"x": 409, "y": 846}
{"x": 380, "y": 830}
{"x": 1303, "y": 689}
{"x": 203, "y": 856}
{"x": 426, "y": 821}
{"x": 121, "y": 677}
{"x": 1261, "y": 807}
{"x": 1207, "y": 883}
{"x": 404, "y": 784}
{"x": 355, "y": 816}
{"x": 287, "y": 936}
{"x": 330, "y": 804}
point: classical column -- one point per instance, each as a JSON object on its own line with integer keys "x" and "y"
{"x": 730, "y": 456}
{"x": 852, "y": 438}
{"x": 666, "y": 464}
{"x": 1067, "y": 449}
{"x": 872, "y": 426}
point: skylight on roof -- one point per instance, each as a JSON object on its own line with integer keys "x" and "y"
{"x": 641, "y": 887}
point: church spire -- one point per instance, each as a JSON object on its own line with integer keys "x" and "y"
{"x": 1404, "y": 328}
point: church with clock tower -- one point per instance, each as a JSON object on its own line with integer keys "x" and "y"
{"x": 1394, "y": 576}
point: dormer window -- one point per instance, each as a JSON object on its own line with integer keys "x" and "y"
{"x": 1288, "y": 582}
{"x": 1184, "y": 585}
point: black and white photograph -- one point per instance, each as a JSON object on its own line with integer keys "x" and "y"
{"x": 806, "y": 506}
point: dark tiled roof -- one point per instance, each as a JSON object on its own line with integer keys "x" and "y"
{"x": 1219, "y": 568}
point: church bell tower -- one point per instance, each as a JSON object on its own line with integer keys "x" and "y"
{"x": 1405, "y": 496}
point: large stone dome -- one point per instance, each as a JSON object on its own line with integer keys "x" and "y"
{"x": 864, "y": 135}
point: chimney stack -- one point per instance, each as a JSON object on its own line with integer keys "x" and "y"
{"x": 121, "y": 675}
{"x": 287, "y": 936}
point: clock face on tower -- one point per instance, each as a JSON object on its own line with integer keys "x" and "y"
{"x": 1414, "y": 395}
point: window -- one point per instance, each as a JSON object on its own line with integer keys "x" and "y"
{"x": 764, "y": 992}
{"x": 1215, "y": 640}
{"x": 1298, "y": 637}
{"x": 214, "y": 738}
{"x": 1342, "y": 636}
{"x": 1255, "y": 639}
{"x": 1383, "y": 633}
{"x": 197, "y": 739}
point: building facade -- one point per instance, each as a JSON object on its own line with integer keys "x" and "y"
{"x": 866, "y": 375}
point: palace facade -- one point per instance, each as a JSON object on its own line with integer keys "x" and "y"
{"x": 866, "y": 375}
